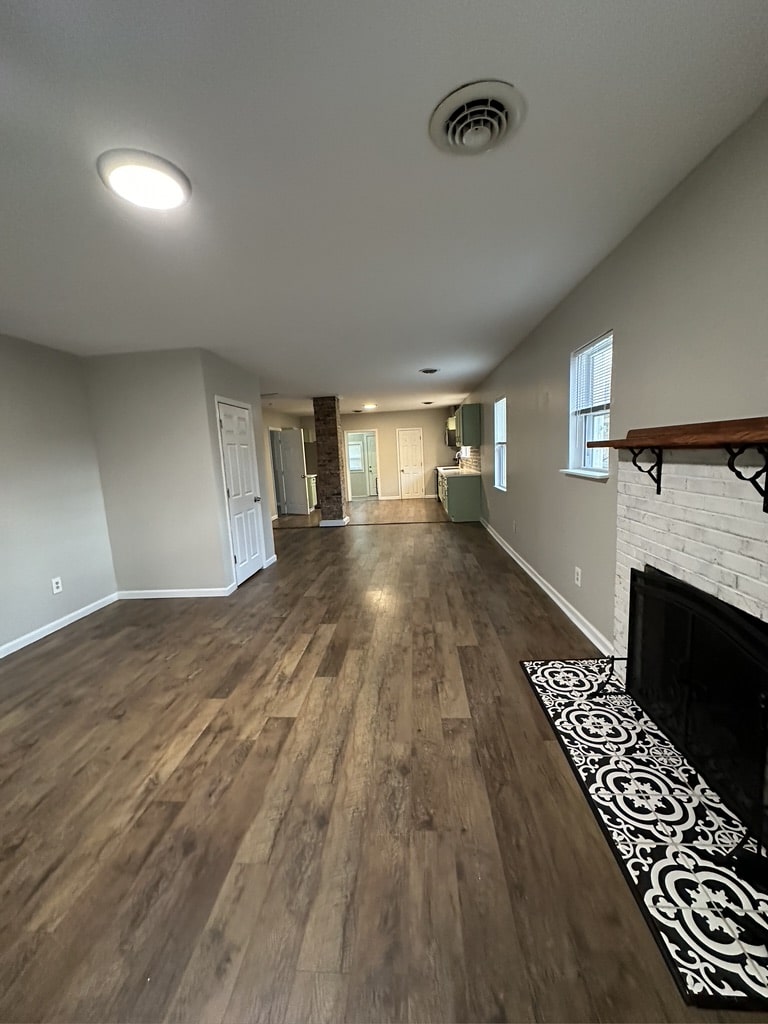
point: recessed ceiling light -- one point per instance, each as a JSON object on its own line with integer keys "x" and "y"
{"x": 427, "y": 403}
{"x": 144, "y": 179}
{"x": 357, "y": 410}
{"x": 429, "y": 369}
{"x": 369, "y": 405}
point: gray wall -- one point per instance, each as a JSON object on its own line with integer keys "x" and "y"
{"x": 52, "y": 520}
{"x": 157, "y": 470}
{"x": 432, "y": 423}
{"x": 686, "y": 295}
{"x": 226, "y": 380}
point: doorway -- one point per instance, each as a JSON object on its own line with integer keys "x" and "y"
{"x": 362, "y": 463}
{"x": 410, "y": 458}
{"x": 241, "y": 480}
{"x": 294, "y": 471}
{"x": 277, "y": 470}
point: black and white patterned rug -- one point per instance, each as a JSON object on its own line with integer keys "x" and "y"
{"x": 669, "y": 832}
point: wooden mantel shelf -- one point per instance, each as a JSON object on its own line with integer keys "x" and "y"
{"x": 748, "y": 433}
{"x": 734, "y": 436}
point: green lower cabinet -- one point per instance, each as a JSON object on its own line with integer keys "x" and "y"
{"x": 462, "y": 498}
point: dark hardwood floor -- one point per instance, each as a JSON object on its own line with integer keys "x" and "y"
{"x": 374, "y": 512}
{"x": 330, "y": 797}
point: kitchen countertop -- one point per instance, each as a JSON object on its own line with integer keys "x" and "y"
{"x": 455, "y": 471}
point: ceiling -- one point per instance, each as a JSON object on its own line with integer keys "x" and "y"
{"x": 328, "y": 244}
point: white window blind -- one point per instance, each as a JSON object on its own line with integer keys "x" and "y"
{"x": 590, "y": 404}
{"x": 500, "y": 444}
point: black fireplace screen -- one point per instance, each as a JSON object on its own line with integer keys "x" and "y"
{"x": 699, "y": 667}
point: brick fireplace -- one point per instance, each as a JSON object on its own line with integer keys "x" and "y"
{"x": 706, "y": 527}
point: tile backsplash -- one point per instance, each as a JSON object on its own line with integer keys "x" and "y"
{"x": 471, "y": 460}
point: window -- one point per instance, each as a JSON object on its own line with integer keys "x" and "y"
{"x": 590, "y": 405}
{"x": 355, "y": 453}
{"x": 500, "y": 444}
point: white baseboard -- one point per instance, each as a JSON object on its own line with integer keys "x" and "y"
{"x": 121, "y": 595}
{"x": 274, "y": 517}
{"x": 52, "y": 627}
{"x": 335, "y": 522}
{"x": 145, "y": 595}
{"x": 586, "y": 627}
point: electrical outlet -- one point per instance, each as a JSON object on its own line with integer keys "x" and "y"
{"x": 577, "y": 575}
{"x": 56, "y": 586}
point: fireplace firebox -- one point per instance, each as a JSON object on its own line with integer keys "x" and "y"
{"x": 699, "y": 668}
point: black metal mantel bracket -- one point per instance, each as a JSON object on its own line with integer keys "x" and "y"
{"x": 734, "y": 452}
{"x": 654, "y": 470}
{"x": 758, "y": 479}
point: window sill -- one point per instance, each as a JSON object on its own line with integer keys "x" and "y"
{"x": 586, "y": 474}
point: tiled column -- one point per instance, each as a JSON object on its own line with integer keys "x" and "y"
{"x": 331, "y": 476}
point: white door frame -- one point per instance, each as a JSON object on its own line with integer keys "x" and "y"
{"x": 400, "y": 468}
{"x": 367, "y": 430}
{"x": 256, "y": 480}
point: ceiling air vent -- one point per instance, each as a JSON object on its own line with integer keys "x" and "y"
{"x": 477, "y": 117}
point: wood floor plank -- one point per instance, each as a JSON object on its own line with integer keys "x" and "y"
{"x": 329, "y": 933}
{"x": 263, "y": 985}
{"x": 378, "y": 970}
{"x": 206, "y": 986}
{"x": 437, "y": 983}
{"x": 427, "y": 778}
{"x": 291, "y": 690}
{"x": 317, "y": 998}
{"x": 447, "y": 667}
{"x": 312, "y": 755}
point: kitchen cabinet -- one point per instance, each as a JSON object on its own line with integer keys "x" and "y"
{"x": 460, "y": 494}
{"x": 468, "y": 425}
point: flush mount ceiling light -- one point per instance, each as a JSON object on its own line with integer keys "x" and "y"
{"x": 477, "y": 117}
{"x": 144, "y": 179}
{"x": 369, "y": 406}
{"x": 429, "y": 369}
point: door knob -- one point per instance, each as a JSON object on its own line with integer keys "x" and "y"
{"x": 257, "y": 499}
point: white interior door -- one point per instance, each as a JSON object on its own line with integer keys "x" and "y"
{"x": 410, "y": 456}
{"x": 372, "y": 463}
{"x": 294, "y": 471}
{"x": 238, "y": 451}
